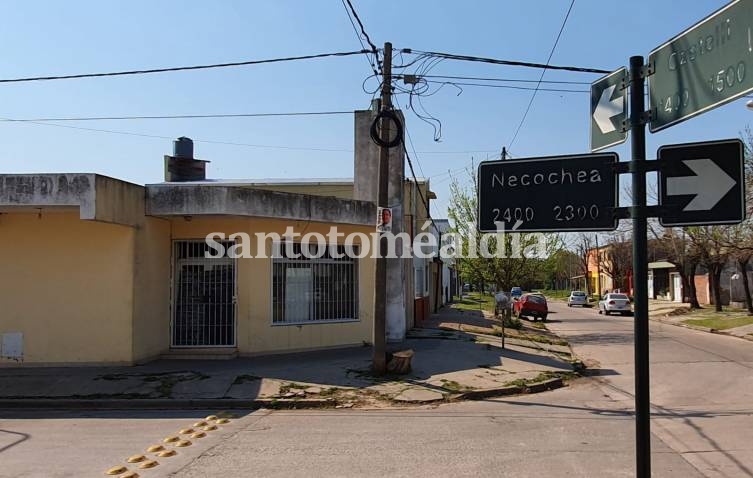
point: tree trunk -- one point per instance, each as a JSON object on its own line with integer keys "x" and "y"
{"x": 743, "y": 265}
{"x": 692, "y": 292}
{"x": 715, "y": 272}
{"x": 685, "y": 283}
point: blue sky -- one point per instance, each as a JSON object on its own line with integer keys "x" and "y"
{"x": 50, "y": 37}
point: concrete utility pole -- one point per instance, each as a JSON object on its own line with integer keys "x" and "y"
{"x": 379, "y": 360}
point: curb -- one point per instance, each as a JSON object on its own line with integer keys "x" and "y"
{"x": 164, "y": 404}
{"x": 538, "y": 387}
{"x": 241, "y": 404}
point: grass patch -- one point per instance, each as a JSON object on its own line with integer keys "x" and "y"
{"x": 328, "y": 392}
{"x": 555, "y": 294}
{"x": 290, "y": 386}
{"x": 542, "y": 377}
{"x": 727, "y": 319}
{"x": 542, "y": 339}
{"x": 513, "y": 323}
{"x": 474, "y": 301}
{"x": 452, "y": 385}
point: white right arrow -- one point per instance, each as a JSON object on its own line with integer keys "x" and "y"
{"x": 606, "y": 109}
{"x": 710, "y": 184}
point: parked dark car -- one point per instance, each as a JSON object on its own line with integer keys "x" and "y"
{"x": 531, "y": 305}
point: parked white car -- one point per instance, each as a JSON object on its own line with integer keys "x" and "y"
{"x": 618, "y": 303}
{"x": 577, "y": 297}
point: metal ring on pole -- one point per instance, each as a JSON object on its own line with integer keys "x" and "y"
{"x": 374, "y": 131}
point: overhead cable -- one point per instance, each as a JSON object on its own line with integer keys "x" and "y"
{"x": 181, "y": 68}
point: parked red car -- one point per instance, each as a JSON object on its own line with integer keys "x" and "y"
{"x": 531, "y": 305}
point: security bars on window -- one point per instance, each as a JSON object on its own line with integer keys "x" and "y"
{"x": 313, "y": 290}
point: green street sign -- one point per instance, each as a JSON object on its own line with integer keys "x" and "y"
{"x": 703, "y": 67}
{"x": 608, "y": 110}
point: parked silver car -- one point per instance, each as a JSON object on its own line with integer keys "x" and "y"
{"x": 577, "y": 297}
{"x": 618, "y": 303}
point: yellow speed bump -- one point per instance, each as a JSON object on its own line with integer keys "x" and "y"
{"x": 183, "y": 443}
{"x": 116, "y": 470}
{"x": 171, "y": 439}
{"x": 200, "y": 424}
{"x": 148, "y": 464}
{"x": 186, "y": 431}
{"x": 136, "y": 458}
{"x": 211, "y": 417}
{"x": 155, "y": 448}
{"x": 210, "y": 428}
{"x": 222, "y": 421}
{"x": 198, "y": 435}
{"x": 130, "y": 474}
{"x": 167, "y": 453}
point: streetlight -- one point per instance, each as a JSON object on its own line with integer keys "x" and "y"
{"x": 749, "y": 104}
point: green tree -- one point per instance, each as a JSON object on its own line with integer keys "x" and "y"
{"x": 503, "y": 269}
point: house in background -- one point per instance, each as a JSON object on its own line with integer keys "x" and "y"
{"x": 598, "y": 279}
{"x": 448, "y": 274}
{"x": 101, "y": 271}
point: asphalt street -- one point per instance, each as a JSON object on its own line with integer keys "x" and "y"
{"x": 702, "y": 387}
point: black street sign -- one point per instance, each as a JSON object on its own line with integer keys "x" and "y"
{"x": 551, "y": 194}
{"x": 706, "y": 66}
{"x": 608, "y": 110}
{"x": 702, "y": 183}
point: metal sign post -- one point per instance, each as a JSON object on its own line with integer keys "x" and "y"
{"x": 640, "y": 268}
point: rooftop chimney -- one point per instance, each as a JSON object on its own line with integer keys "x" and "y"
{"x": 182, "y": 166}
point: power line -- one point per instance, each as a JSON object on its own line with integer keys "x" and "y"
{"x": 503, "y": 80}
{"x": 495, "y": 61}
{"x": 360, "y": 38}
{"x": 510, "y": 87}
{"x": 188, "y": 116}
{"x": 549, "y": 58}
{"x": 420, "y": 193}
{"x": 183, "y": 68}
{"x": 410, "y": 140}
{"x": 226, "y": 143}
{"x": 154, "y": 136}
{"x": 374, "y": 49}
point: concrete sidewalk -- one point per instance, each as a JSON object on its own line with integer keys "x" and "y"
{"x": 446, "y": 365}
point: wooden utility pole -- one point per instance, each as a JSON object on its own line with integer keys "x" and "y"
{"x": 380, "y": 293}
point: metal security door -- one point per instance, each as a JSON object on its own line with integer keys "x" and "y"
{"x": 203, "y": 297}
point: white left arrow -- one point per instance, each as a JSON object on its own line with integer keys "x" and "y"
{"x": 709, "y": 185}
{"x": 606, "y": 109}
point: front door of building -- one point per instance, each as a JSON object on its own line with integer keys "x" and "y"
{"x": 204, "y": 298}
{"x": 676, "y": 288}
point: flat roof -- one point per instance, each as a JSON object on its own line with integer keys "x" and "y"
{"x": 269, "y": 182}
{"x": 263, "y": 182}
